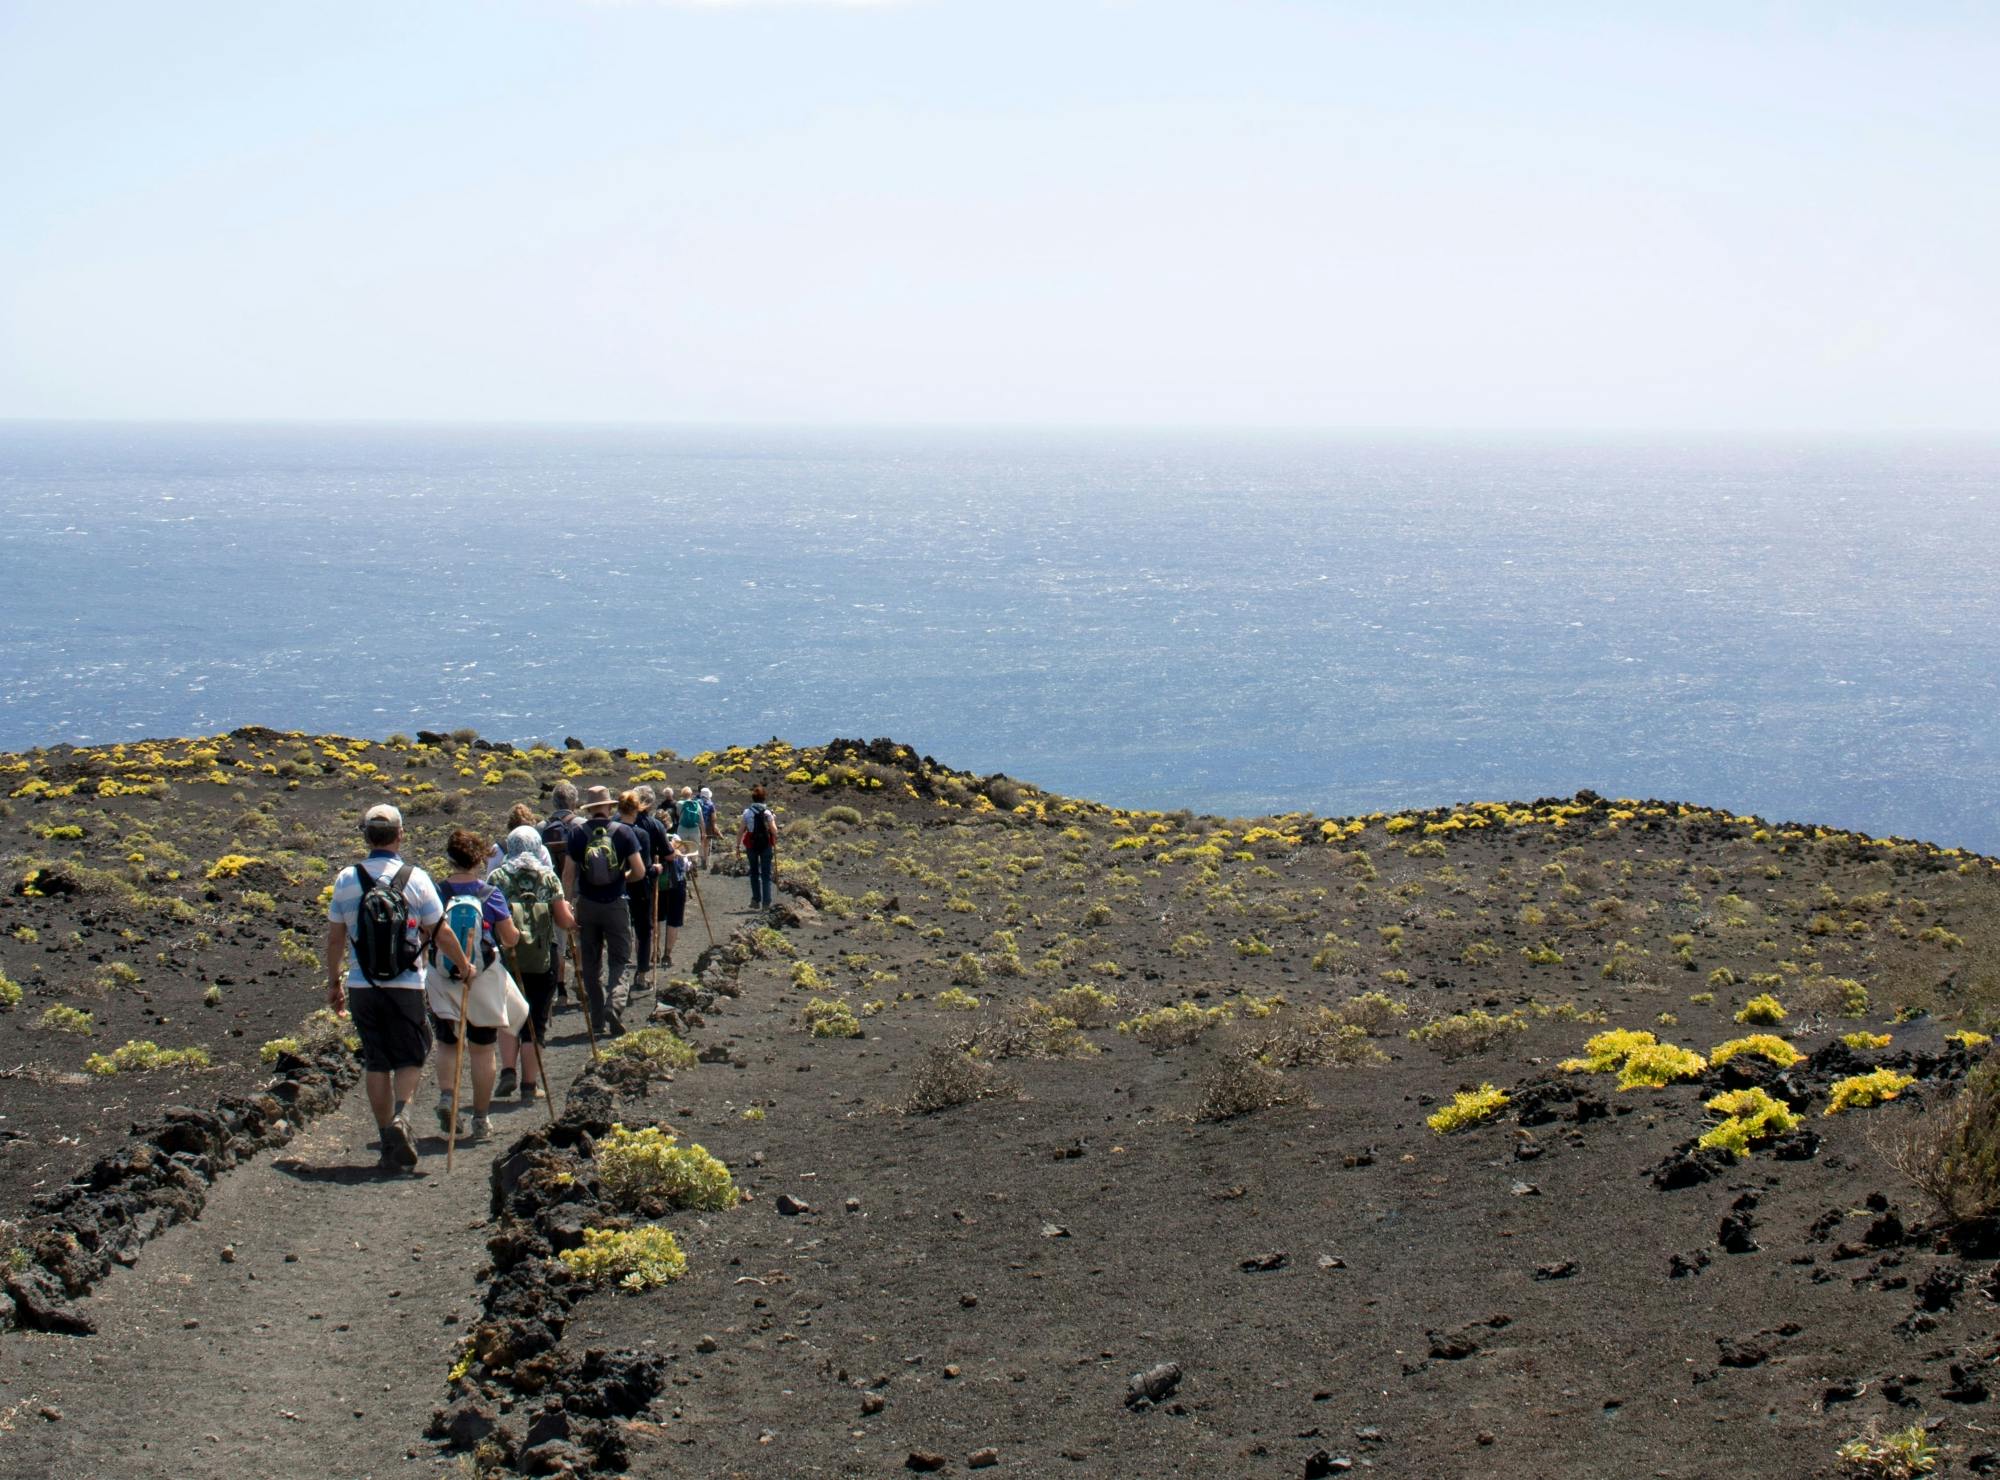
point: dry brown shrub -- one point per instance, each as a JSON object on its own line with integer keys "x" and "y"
{"x": 1317, "y": 1042}
{"x": 1033, "y": 1030}
{"x": 949, "y": 1077}
{"x": 1239, "y": 1084}
{"x": 1950, "y": 1152}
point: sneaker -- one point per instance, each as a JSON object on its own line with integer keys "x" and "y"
{"x": 504, "y": 1085}
{"x": 482, "y": 1127}
{"x": 444, "y": 1117}
{"x": 399, "y": 1147}
{"x": 530, "y": 1091}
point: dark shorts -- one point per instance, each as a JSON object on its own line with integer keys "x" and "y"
{"x": 392, "y": 1025}
{"x": 674, "y": 906}
{"x": 478, "y": 1037}
{"x": 539, "y": 987}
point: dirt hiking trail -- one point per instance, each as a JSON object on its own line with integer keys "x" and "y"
{"x": 299, "y": 1327}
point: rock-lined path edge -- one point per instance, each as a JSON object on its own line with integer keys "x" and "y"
{"x": 303, "y": 1325}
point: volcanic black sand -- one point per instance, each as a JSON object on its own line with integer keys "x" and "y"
{"x": 1221, "y": 1242}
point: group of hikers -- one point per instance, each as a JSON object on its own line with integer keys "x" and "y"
{"x": 604, "y": 878}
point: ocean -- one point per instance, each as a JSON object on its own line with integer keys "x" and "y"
{"x": 1241, "y": 624}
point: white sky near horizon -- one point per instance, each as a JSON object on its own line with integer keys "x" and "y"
{"x": 1141, "y": 212}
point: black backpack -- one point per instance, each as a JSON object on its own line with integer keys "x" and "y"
{"x": 382, "y": 926}
{"x": 555, "y": 838}
{"x": 760, "y": 826}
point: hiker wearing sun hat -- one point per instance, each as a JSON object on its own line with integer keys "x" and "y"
{"x": 601, "y": 857}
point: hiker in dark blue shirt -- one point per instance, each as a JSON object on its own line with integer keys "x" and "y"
{"x": 601, "y": 858}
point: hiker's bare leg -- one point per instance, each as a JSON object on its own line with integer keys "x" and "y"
{"x": 510, "y": 1050}
{"x": 388, "y": 1092}
{"x": 483, "y": 1071}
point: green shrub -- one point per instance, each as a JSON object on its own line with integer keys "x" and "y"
{"x": 635, "y": 1259}
{"x": 1749, "y": 1115}
{"x": 1085, "y": 1005}
{"x": 319, "y": 1033}
{"x": 1542, "y": 955}
{"x": 1832, "y": 996}
{"x": 1375, "y": 1013}
{"x": 60, "y": 1019}
{"x": 1861, "y": 1091}
{"x": 650, "y": 1167}
{"x": 955, "y": 999}
{"x": 1863, "y": 1041}
{"x": 1763, "y": 1010}
{"x": 1468, "y": 1107}
{"x": 1901, "y": 1455}
{"x": 140, "y": 1055}
{"x": 1765, "y": 1045}
{"x": 1171, "y": 1026}
{"x": 845, "y": 815}
{"x": 1658, "y": 1065}
{"x": 10, "y": 993}
{"x": 1464, "y": 1033}
{"x": 645, "y": 1052}
{"x": 826, "y": 1018}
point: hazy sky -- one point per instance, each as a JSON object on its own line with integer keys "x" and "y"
{"x": 1313, "y": 212}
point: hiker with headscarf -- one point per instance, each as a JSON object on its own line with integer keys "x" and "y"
{"x": 535, "y": 898}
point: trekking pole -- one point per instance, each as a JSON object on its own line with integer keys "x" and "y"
{"x": 694, "y": 877}
{"x": 582, "y": 993}
{"x": 653, "y": 904}
{"x": 457, "y": 1064}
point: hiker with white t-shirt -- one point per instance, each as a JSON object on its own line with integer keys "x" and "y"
{"x": 382, "y": 915}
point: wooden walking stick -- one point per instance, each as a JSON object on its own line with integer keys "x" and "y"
{"x": 653, "y": 904}
{"x": 457, "y": 1064}
{"x": 694, "y": 877}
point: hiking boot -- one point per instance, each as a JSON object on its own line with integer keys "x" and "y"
{"x": 530, "y": 1091}
{"x": 399, "y": 1147}
{"x": 444, "y": 1117}
{"x": 504, "y": 1085}
{"x": 482, "y": 1127}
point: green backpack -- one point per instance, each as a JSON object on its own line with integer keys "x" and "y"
{"x": 534, "y": 952}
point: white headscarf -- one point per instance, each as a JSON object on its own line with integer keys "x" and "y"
{"x": 524, "y": 846}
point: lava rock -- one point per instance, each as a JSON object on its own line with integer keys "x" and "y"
{"x": 463, "y": 1424}
{"x": 1736, "y": 1352}
{"x": 1690, "y": 1165}
{"x": 1154, "y": 1385}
